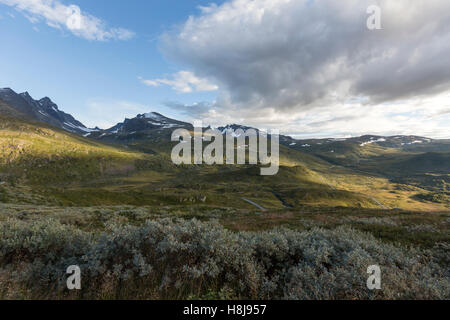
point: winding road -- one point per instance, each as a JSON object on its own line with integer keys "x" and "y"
{"x": 255, "y": 204}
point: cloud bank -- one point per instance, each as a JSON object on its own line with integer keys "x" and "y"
{"x": 68, "y": 17}
{"x": 183, "y": 82}
{"x": 279, "y": 62}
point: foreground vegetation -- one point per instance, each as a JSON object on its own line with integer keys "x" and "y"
{"x": 140, "y": 253}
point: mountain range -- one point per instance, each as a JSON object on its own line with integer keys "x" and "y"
{"x": 145, "y": 125}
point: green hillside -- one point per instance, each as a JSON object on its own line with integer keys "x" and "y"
{"x": 430, "y": 162}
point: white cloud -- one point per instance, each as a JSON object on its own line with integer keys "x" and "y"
{"x": 183, "y": 82}
{"x": 427, "y": 117}
{"x": 69, "y": 17}
{"x": 313, "y": 66}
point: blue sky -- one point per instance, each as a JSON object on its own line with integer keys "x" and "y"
{"x": 307, "y": 68}
{"x": 79, "y": 74}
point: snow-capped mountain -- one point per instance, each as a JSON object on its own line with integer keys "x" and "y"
{"x": 234, "y": 127}
{"x": 44, "y": 110}
{"x": 392, "y": 142}
{"x": 140, "y": 127}
{"x": 147, "y": 121}
{"x": 367, "y": 143}
{"x": 363, "y": 141}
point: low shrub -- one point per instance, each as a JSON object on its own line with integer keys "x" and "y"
{"x": 167, "y": 259}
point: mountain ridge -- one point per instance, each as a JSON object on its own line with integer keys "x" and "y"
{"x": 43, "y": 110}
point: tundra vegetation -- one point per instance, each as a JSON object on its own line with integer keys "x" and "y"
{"x": 203, "y": 253}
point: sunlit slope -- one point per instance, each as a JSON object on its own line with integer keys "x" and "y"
{"x": 38, "y": 154}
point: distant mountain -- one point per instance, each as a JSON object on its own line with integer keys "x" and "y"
{"x": 145, "y": 126}
{"x": 234, "y": 127}
{"x": 367, "y": 144}
{"x": 43, "y": 110}
{"x": 147, "y": 121}
{"x": 151, "y": 126}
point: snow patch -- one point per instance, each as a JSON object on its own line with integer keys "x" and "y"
{"x": 80, "y": 128}
{"x": 153, "y": 115}
{"x": 170, "y": 125}
{"x": 414, "y": 142}
{"x": 372, "y": 140}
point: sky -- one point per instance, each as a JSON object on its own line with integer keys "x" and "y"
{"x": 309, "y": 68}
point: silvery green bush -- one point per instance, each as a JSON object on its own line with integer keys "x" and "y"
{"x": 179, "y": 259}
